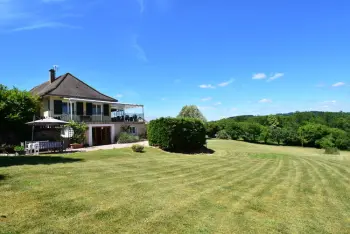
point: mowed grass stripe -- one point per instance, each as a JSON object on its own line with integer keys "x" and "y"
{"x": 279, "y": 190}
{"x": 150, "y": 223}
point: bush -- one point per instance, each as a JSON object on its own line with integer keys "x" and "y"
{"x": 233, "y": 129}
{"x": 212, "y": 129}
{"x": 137, "y": 148}
{"x": 79, "y": 129}
{"x": 127, "y": 138}
{"x": 222, "y": 134}
{"x": 326, "y": 142}
{"x": 143, "y": 136}
{"x": 331, "y": 150}
{"x": 19, "y": 148}
{"x": 177, "y": 134}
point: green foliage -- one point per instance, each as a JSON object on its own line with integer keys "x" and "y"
{"x": 265, "y": 134}
{"x": 212, "y": 129}
{"x": 272, "y": 121}
{"x": 79, "y": 129}
{"x": 326, "y": 142}
{"x": 311, "y": 132}
{"x": 19, "y": 148}
{"x": 299, "y": 128}
{"x": 191, "y": 111}
{"x": 137, "y": 148}
{"x": 16, "y": 108}
{"x": 177, "y": 134}
{"x": 331, "y": 150}
{"x": 277, "y": 134}
{"x": 222, "y": 134}
{"x": 233, "y": 129}
{"x": 125, "y": 137}
{"x": 250, "y": 131}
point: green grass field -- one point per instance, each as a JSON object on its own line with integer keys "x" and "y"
{"x": 241, "y": 188}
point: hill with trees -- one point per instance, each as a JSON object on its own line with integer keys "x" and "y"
{"x": 312, "y": 129}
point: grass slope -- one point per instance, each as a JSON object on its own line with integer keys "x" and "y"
{"x": 241, "y": 188}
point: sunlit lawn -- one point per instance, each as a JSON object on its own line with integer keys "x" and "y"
{"x": 241, "y": 188}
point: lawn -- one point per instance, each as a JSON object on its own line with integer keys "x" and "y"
{"x": 240, "y": 188}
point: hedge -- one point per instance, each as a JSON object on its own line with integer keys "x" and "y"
{"x": 177, "y": 134}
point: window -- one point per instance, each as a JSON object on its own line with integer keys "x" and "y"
{"x": 66, "y": 108}
{"x": 132, "y": 130}
{"x": 96, "y": 109}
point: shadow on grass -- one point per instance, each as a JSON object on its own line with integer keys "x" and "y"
{"x": 2, "y": 177}
{"x": 203, "y": 150}
{"x": 7, "y": 161}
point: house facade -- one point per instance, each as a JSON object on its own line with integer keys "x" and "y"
{"x": 68, "y": 98}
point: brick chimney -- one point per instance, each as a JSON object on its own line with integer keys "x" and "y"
{"x": 52, "y": 75}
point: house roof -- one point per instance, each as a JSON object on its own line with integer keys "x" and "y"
{"x": 68, "y": 85}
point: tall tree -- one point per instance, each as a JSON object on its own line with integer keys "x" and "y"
{"x": 191, "y": 111}
{"x": 16, "y": 108}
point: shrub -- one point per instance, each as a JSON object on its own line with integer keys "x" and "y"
{"x": 177, "y": 134}
{"x": 222, "y": 134}
{"x": 212, "y": 129}
{"x": 19, "y": 148}
{"x": 127, "y": 138}
{"x": 137, "y": 148}
{"x": 233, "y": 129}
{"x": 331, "y": 150}
{"x": 143, "y": 136}
{"x": 79, "y": 129}
{"x": 326, "y": 142}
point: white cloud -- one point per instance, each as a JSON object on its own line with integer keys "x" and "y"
{"x": 217, "y": 104}
{"x": 163, "y": 99}
{"x": 265, "y": 100}
{"x": 44, "y": 25}
{"x": 206, "y": 99}
{"x": 275, "y": 76}
{"x": 259, "y": 76}
{"x": 140, "y": 52}
{"x": 119, "y": 95}
{"x": 338, "y": 84}
{"x": 223, "y": 84}
{"x": 207, "y": 86}
{"x": 24, "y": 15}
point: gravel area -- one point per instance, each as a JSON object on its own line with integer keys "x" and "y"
{"x": 111, "y": 146}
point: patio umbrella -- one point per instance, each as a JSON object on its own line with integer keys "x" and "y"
{"x": 46, "y": 122}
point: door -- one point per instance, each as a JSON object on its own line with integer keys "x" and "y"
{"x": 101, "y": 135}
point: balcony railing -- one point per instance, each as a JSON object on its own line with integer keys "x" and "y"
{"x": 130, "y": 117}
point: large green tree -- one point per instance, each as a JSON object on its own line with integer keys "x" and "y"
{"x": 16, "y": 108}
{"x": 191, "y": 111}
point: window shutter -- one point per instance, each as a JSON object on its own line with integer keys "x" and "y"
{"x": 80, "y": 108}
{"x": 88, "y": 108}
{"x": 105, "y": 109}
{"x": 57, "y": 107}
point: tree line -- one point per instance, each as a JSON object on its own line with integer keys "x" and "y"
{"x": 311, "y": 129}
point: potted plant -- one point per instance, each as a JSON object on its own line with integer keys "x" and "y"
{"x": 79, "y": 136}
{"x": 19, "y": 150}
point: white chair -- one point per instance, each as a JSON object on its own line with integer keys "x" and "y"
{"x": 29, "y": 148}
{"x": 36, "y": 148}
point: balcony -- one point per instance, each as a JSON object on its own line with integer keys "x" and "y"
{"x": 100, "y": 118}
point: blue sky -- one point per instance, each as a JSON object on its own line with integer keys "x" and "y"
{"x": 227, "y": 57}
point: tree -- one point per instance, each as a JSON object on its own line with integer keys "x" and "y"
{"x": 191, "y": 111}
{"x": 272, "y": 121}
{"x": 16, "y": 108}
{"x": 211, "y": 128}
{"x": 277, "y": 134}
